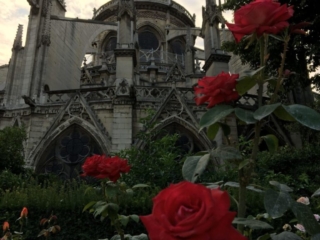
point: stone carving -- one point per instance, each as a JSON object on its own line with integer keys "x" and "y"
{"x": 34, "y": 6}
{"x": 122, "y": 87}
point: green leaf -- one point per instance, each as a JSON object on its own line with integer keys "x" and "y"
{"x": 213, "y": 130}
{"x": 264, "y": 237}
{"x": 304, "y": 115}
{"x": 276, "y": 203}
{"x": 214, "y": 115}
{"x": 112, "y": 209}
{"x": 265, "y": 111}
{"x": 253, "y": 188}
{"x": 226, "y": 153}
{"x": 123, "y": 220}
{"x": 245, "y": 116}
{"x": 225, "y": 129}
{"x": 201, "y": 166}
{"x": 281, "y": 187}
{"x": 140, "y": 237}
{"x": 100, "y": 209}
{"x": 135, "y": 218}
{"x": 232, "y": 184}
{"x": 272, "y": 142}
{"x": 282, "y": 114}
{"x": 316, "y": 193}
{"x": 197, "y": 169}
{"x": 129, "y": 192}
{"x": 247, "y": 82}
{"x": 188, "y": 167}
{"x": 140, "y": 185}
{"x": 89, "y": 205}
{"x": 88, "y": 190}
{"x": 252, "y": 223}
{"x": 305, "y": 217}
{"x": 286, "y": 236}
{"x": 244, "y": 163}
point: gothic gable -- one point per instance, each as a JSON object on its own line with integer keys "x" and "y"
{"x": 75, "y": 111}
{"x": 175, "y": 74}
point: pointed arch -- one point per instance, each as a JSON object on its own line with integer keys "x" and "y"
{"x": 84, "y": 128}
{"x": 177, "y": 125}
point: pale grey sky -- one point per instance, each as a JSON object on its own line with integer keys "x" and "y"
{"x": 15, "y": 12}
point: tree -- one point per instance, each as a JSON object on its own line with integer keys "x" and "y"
{"x": 303, "y": 52}
{"x": 11, "y": 149}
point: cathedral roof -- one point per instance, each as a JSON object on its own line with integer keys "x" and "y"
{"x": 109, "y": 9}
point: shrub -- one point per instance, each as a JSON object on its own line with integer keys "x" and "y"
{"x": 298, "y": 168}
{"x": 44, "y": 195}
{"x": 11, "y": 149}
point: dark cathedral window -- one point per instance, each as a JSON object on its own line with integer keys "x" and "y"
{"x": 67, "y": 153}
{"x": 148, "y": 40}
{"x": 177, "y": 47}
{"x": 111, "y": 44}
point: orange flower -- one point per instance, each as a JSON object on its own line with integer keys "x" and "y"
{"x": 24, "y": 213}
{"x": 5, "y": 226}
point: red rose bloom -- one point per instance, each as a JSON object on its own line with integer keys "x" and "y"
{"x": 105, "y": 167}
{"x": 24, "y": 213}
{"x": 5, "y": 226}
{"x": 260, "y": 16}
{"x": 218, "y": 89}
{"x": 191, "y": 211}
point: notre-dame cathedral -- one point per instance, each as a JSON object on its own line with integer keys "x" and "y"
{"x": 80, "y": 87}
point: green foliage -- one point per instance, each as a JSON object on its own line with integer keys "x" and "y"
{"x": 294, "y": 166}
{"x": 46, "y": 195}
{"x": 11, "y": 149}
{"x": 158, "y": 162}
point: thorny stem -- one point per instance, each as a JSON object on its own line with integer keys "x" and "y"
{"x": 281, "y": 70}
{"x": 245, "y": 173}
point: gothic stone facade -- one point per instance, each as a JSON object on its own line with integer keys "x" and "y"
{"x": 140, "y": 55}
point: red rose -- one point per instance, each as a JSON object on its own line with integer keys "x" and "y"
{"x": 90, "y": 165}
{"x": 24, "y": 213}
{"x": 5, "y": 226}
{"x": 260, "y": 16}
{"x": 105, "y": 167}
{"x": 218, "y": 89}
{"x": 191, "y": 211}
{"x": 112, "y": 167}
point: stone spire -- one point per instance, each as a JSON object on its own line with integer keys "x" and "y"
{"x": 216, "y": 60}
{"x": 46, "y": 12}
{"x": 17, "y": 44}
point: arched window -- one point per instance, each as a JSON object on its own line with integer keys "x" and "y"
{"x": 111, "y": 44}
{"x": 67, "y": 153}
{"x": 187, "y": 143}
{"x": 177, "y": 47}
{"x": 148, "y": 40}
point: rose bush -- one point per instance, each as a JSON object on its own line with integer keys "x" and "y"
{"x": 191, "y": 211}
{"x": 218, "y": 89}
{"x": 260, "y": 16}
{"x": 103, "y": 167}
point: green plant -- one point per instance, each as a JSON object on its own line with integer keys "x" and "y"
{"x": 158, "y": 162}
{"x": 11, "y": 149}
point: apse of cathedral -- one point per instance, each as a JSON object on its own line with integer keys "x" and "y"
{"x": 80, "y": 87}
